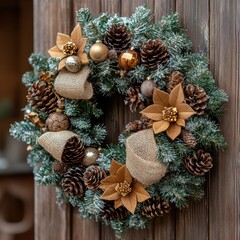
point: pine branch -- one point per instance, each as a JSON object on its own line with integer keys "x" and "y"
{"x": 25, "y": 132}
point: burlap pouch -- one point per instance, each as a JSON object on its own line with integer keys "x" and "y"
{"x": 74, "y": 85}
{"x": 54, "y": 142}
{"x": 141, "y": 159}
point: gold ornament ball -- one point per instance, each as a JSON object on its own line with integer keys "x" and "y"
{"x": 90, "y": 156}
{"x": 147, "y": 88}
{"x": 98, "y": 52}
{"x": 128, "y": 60}
{"x": 73, "y": 64}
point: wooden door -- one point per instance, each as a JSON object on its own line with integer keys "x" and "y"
{"x": 214, "y": 28}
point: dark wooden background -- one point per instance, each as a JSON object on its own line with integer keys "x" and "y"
{"x": 213, "y": 26}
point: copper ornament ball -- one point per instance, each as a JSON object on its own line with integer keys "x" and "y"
{"x": 98, "y": 52}
{"x": 147, "y": 88}
{"x": 90, "y": 156}
{"x": 128, "y": 60}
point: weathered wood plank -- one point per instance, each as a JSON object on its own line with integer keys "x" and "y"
{"x": 224, "y": 205}
{"x": 195, "y": 19}
{"x": 128, "y": 7}
{"x": 192, "y": 222}
{"x": 163, "y": 7}
{"x": 94, "y": 6}
{"x": 51, "y": 222}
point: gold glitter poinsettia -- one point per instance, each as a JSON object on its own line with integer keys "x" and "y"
{"x": 122, "y": 188}
{"x": 68, "y": 46}
{"x": 168, "y": 112}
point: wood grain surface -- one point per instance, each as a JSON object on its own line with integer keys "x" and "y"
{"x": 213, "y": 26}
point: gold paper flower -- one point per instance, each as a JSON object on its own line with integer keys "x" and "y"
{"x": 122, "y": 188}
{"x": 168, "y": 112}
{"x": 69, "y": 45}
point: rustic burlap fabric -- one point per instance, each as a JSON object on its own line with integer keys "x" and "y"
{"x": 74, "y": 85}
{"x": 54, "y": 142}
{"x": 141, "y": 159}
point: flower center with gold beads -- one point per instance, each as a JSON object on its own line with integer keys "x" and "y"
{"x": 70, "y": 48}
{"x": 123, "y": 188}
{"x": 170, "y": 114}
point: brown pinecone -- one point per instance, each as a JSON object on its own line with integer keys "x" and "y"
{"x": 153, "y": 53}
{"x": 118, "y": 38}
{"x": 174, "y": 79}
{"x": 188, "y": 138}
{"x": 134, "y": 99}
{"x": 59, "y": 167}
{"x": 155, "y": 207}
{"x": 93, "y": 176}
{"x": 40, "y": 96}
{"x": 198, "y": 163}
{"x": 108, "y": 212}
{"x": 72, "y": 182}
{"x": 197, "y": 98}
{"x": 73, "y": 151}
{"x": 57, "y": 122}
{"x": 138, "y": 125}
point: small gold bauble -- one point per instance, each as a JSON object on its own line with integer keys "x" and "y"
{"x": 98, "y": 52}
{"x": 73, "y": 64}
{"x": 147, "y": 88}
{"x": 90, "y": 156}
{"x": 128, "y": 60}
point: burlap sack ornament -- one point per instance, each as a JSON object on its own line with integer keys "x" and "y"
{"x": 54, "y": 142}
{"x": 141, "y": 159}
{"x": 74, "y": 85}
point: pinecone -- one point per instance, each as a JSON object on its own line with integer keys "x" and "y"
{"x": 134, "y": 99}
{"x": 59, "y": 167}
{"x": 198, "y": 163}
{"x": 188, "y": 138}
{"x": 108, "y": 212}
{"x": 72, "y": 182}
{"x": 73, "y": 151}
{"x": 118, "y": 38}
{"x": 93, "y": 176}
{"x": 138, "y": 125}
{"x": 155, "y": 207}
{"x": 40, "y": 96}
{"x": 153, "y": 53}
{"x": 174, "y": 79}
{"x": 57, "y": 122}
{"x": 196, "y": 97}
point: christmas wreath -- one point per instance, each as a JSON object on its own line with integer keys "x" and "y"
{"x": 160, "y": 159}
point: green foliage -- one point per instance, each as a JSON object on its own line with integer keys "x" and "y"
{"x": 41, "y": 63}
{"x": 75, "y": 108}
{"x": 90, "y": 205}
{"x": 29, "y": 78}
{"x": 178, "y": 188}
{"x": 206, "y": 132}
{"x": 170, "y": 151}
{"x": 25, "y": 132}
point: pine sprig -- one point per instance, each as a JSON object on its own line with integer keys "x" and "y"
{"x": 206, "y": 132}
{"x": 25, "y": 132}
